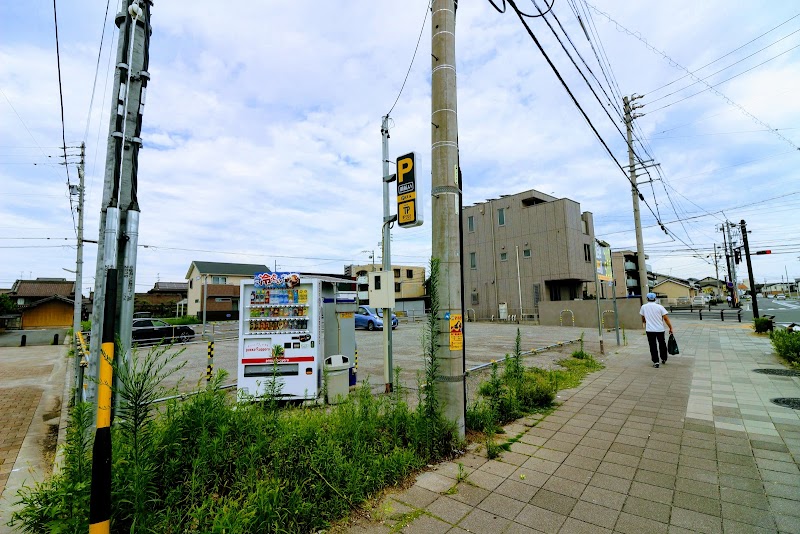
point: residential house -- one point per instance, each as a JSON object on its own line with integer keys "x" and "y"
{"x": 50, "y": 312}
{"x": 162, "y": 300}
{"x": 674, "y": 290}
{"x": 529, "y": 247}
{"x": 712, "y": 286}
{"x": 214, "y": 287}
{"x": 26, "y": 292}
{"x": 43, "y": 303}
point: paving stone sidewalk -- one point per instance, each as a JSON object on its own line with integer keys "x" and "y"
{"x": 694, "y": 446}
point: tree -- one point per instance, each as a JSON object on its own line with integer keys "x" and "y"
{"x": 7, "y": 305}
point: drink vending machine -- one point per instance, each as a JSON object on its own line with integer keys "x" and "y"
{"x": 280, "y": 330}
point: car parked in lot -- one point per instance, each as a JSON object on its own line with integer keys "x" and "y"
{"x": 780, "y": 296}
{"x": 148, "y": 330}
{"x": 371, "y": 319}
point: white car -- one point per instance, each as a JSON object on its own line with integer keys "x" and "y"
{"x": 780, "y": 296}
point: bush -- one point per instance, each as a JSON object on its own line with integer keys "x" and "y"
{"x": 787, "y": 345}
{"x": 762, "y": 325}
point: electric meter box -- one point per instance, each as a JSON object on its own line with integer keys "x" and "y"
{"x": 381, "y": 289}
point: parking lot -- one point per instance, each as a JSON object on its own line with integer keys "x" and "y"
{"x": 483, "y": 341}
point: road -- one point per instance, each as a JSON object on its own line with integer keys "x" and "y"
{"x": 785, "y": 311}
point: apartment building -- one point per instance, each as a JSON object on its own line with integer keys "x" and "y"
{"x": 529, "y": 247}
{"x": 625, "y": 267}
{"x": 221, "y": 282}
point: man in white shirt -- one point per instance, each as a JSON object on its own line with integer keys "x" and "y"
{"x": 654, "y": 316}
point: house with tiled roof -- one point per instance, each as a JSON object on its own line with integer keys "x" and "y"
{"x": 214, "y": 287}
{"x": 26, "y": 292}
{"x": 44, "y": 302}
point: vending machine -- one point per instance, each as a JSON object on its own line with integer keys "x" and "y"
{"x": 280, "y": 335}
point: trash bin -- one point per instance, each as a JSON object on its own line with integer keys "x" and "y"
{"x": 503, "y": 311}
{"x": 337, "y": 375}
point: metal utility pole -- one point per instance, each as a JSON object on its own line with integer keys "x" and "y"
{"x": 732, "y": 264}
{"x": 445, "y": 202}
{"x": 629, "y": 117}
{"x": 754, "y": 299}
{"x": 120, "y": 208}
{"x": 386, "y": 252}
{"x": 77, "y": 312}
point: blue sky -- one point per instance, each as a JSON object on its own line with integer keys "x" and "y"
{"x": 262, "y": 128}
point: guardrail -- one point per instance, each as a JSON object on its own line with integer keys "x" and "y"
{"x": 526, "y": 353}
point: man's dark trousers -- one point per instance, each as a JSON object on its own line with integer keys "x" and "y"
{"x": 652, "y": 339}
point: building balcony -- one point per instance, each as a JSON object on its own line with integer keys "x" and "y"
{"x": 630, "y": 266}
{"x": 630, "y": 282}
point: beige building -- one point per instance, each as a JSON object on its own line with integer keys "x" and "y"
{"x": 222, "y": 283}
{"x": 409, "y": 280}
{"x": 528, "y": 247}
{"x": 671, "y": 291}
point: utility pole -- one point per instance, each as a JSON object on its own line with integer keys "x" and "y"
{"x": 77, "y": 312}
{"x": 629, "y": 117}
{"x": 445, "y": 206}
{"x": 116, "y": 254}
{"x": 386, "y": 252}
{"x": 716, "y": 269}
{"x": 119, "y": 217}
{"x": 754, "y": 299}
{"x": 732, "y": 263}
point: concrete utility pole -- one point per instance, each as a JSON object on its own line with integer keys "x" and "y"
{"x": 445, "y": 202}
{"x": 754, "y": 299}
{"x": 77, "y": 312}
{"x": 732, "y": 261}
{"x": 386, "y": 252}
{"x": 629, "y": 117}
{"x": 120, "y": 209}
{"x": 716, "y": 269}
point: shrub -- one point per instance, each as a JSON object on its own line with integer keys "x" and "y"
{"x": 762, "y": 324}
{"x": 787, "y": 345}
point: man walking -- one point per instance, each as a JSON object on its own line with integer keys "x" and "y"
{"x": 654, "y": 316}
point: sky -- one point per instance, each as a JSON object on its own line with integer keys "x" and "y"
{"x": 262, "y": 141}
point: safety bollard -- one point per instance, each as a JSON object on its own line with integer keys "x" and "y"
{"x": 23, "y": 341}
{"x": 722, "y": 315}
{"x": 210, "y": 366}
{"x": 55, "y": 339}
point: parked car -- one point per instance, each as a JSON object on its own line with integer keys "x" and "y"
{"x": 698, "y": 300}
{"x": 369, "y": 318}
{"x": 780, "y": 296}
{"x": 155, "y": 330}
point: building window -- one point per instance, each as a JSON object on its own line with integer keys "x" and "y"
{"x": 474, "y": 298}
{"x": 526, "y": 253}
{"x": 473, "y": 261}
{"x": 397, "y": 273}
{"x": 503, "y": 256}
{"x": 501, "y": 216}
{"x": 470, "y": 223}
{"x": 555, "y": 293}
{"x": 397, "y": 287}
{"x": 196, "y": 301}
{"x": 219, "y": 279}
{"x": 190, "y": 283}
{"x": 587, "y": 253}
{"x": 409, "y": 273}
{"x": 585, "y": 227}
{"x": 222, "y": 299}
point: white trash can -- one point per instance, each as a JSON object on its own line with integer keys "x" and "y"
{"x": 337, "y": 375}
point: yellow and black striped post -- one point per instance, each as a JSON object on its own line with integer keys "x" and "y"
{"x": 100, "y": 496}
{"x": 210, "y": 366}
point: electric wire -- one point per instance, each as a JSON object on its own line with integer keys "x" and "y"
{"x": 729, "y": 53}
{"x": 63, "y": 125}
{"x": 96, "y": 71}
{"x": 675, "y": 64}
{"x": 413, "y": 57}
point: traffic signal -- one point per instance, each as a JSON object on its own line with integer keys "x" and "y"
{"x": 763, "y": 252}
{"x": 737, "y": 256}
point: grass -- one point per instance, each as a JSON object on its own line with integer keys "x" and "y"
{"x": 520, "y": 391}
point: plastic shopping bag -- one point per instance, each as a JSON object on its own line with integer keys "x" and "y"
{"x": 672, "y": 345}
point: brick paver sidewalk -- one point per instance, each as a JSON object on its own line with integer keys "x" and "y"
{"x": 695, "y": 446}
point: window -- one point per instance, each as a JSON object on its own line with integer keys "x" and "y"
{"x": 219, "y": 279}
{"x": 190, "y": 284}
{"x": 196, "y": 301}
{"x": 555, "y": 293}
{"x": 397, "y": 273}
{"x": 526, "y": 253}
{"x": 397, "y": 287}
{"x": 587, "y": 253}
{"x": 503, "y": 256}
{"x": 501, "y": 216}
{"x": 585, "y": 226}
{"x": 470, "y": 223}
{"x": 474, "y": 298}
{"x": 473, "y": 262}
{"x": 409, "y": 273}
{"x": 222, "y": 299}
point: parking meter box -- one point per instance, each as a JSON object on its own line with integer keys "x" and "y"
{"x": 279, "y": 336}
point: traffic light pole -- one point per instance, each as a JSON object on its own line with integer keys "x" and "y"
{"x": 749, "y": 269}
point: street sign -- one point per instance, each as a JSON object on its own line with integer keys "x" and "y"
{"x": 408, "y": 214}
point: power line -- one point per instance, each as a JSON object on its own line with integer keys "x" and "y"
{"x": 96, "y": 71}
{"x": 732, "y": 51}
{"x": 424, "y": 20}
